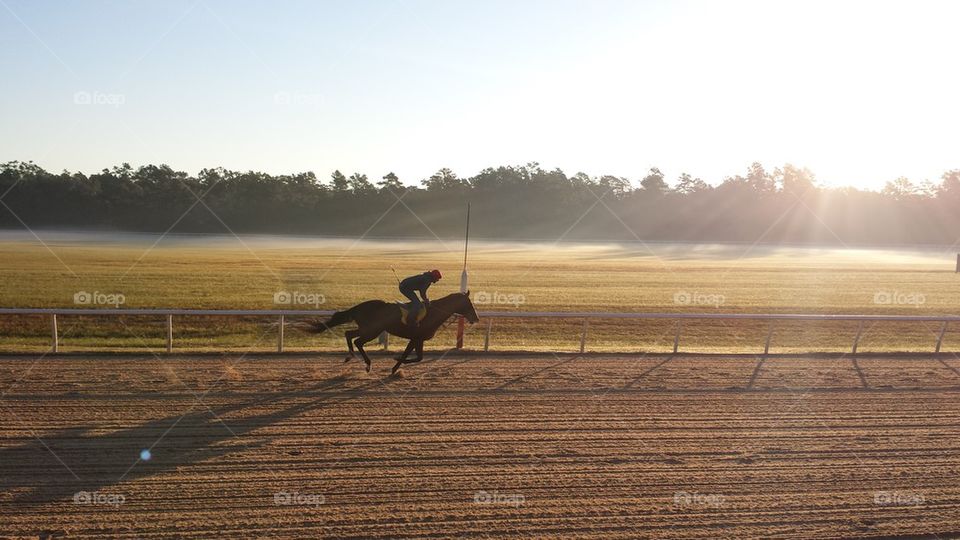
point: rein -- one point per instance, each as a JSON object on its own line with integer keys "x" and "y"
{"x": 448, "y": 320}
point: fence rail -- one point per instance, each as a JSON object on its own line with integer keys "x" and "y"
{"x": 586, "y": 316}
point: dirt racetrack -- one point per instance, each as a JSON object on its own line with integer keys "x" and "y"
{"x": 482, "y": 446}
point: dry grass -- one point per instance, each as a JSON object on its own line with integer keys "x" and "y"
{"x": 225, "y": 273}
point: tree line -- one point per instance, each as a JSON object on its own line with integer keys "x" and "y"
{"x": 511, "y": 202}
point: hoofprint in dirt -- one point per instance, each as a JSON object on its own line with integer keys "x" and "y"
{"x": 640, "y": 446}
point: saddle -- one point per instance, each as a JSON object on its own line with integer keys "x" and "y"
{"x": 405, "y": 313}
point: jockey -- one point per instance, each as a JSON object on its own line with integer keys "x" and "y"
{"x": 418, "y": 283}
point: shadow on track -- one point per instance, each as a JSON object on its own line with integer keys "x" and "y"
{"x": 93, "y": 462}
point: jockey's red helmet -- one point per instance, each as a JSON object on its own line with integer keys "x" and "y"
{"x": 436, "y": 275}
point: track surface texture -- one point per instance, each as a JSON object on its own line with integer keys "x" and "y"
{"x": 480, "y": 446}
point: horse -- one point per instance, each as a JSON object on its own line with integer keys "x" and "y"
{"x": 376, "y": 316}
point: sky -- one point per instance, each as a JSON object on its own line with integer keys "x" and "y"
{"x": 859, "y": 92}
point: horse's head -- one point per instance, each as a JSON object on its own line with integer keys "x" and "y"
{"x": 465, "y": 307}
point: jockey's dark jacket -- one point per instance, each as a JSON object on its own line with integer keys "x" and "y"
{"x": 419, "y": 282}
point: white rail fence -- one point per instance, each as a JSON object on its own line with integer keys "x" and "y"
{"x": 585, "y": 316}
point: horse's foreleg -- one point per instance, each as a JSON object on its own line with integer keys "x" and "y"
{"x": 402, "y": 359}
{"x": 406, "y": 352}
{"x": 419, "y": 345}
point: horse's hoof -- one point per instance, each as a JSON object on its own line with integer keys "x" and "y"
{"x": 368, "y": 367}
{"x": 347, "y": 359}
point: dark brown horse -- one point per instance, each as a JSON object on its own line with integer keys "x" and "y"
{"x": 376, "y": 316}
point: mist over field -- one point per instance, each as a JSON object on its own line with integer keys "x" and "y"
{"x": 491, "y": 249}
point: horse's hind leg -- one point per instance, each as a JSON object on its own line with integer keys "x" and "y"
{"x": 350, "y": 335}
{"x": 361, "y": 339}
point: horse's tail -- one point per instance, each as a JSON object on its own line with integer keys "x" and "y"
{"x": 316, "y": 326}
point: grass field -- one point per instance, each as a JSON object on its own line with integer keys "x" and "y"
{"x": 226, "y": 272}
{"x": 480, "y": 447}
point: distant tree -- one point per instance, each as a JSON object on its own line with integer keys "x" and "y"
{"x": 795, "y": 181}
{"x": 486, "y": 181}
{"x": 166, "y": 194}
{"x": 553, "y": 181}
{"x": 614, "y": 185}
{"x": 210, "y": 177}
{"x": 654, "y": 182}
{"x": 530, "y": 170}
{"x": 390, "y": 182}
{"x": 927, "y": 189}
{"x": 441, "y": 180}
{"x": 339, "y": 182}
{"x": 900, "y": 189}
{"x": 123, "y": 171}
{"x": 359, "y": 184}
{"x": 950, "y": 185}
{"x": 758, "y": 179}
{"x": 582, "y": 179}
{"x": 687, "y": 184}
{"x": 734, "y": 182}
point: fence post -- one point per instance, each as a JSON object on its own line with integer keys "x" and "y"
{"x": 384, "y": 338}
{"x": 856, "y": 340}
{"x": 486, "y": 337}
{"x": 583, "y": 336}
{"x": 169, "y": 333}
{"x": 766, "y": 347}
{"x": 676, "y": 338}
{"x": 943, "y": 330}
{"x": 280, "y": 336}
{"x": 55, "y": 339}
